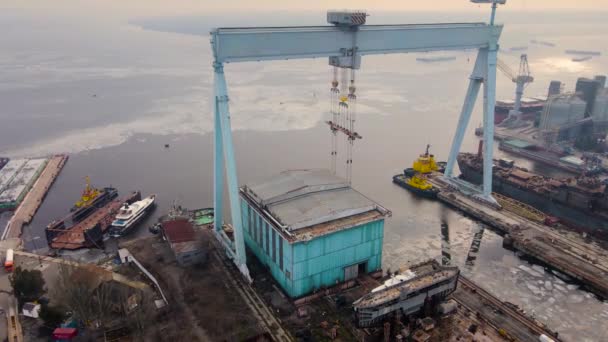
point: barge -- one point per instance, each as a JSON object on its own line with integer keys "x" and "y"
{"x": 578, "y": 202}
{"x": 89, "y": 232}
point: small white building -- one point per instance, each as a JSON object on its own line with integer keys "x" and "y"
{"x": 31, "y": 310}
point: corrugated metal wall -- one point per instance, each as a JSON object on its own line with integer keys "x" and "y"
{"x": 306, "y": 266}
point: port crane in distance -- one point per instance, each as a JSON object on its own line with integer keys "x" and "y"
{"x": 345, "y": 41}
{"x": 521, "y": 80}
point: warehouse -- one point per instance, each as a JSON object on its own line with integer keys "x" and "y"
{"x": 183, "y": 241}
{"x": 312, "y": 230}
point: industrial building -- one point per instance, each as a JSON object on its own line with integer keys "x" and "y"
{"x": 564, "y": 117}
{"x": 183, "y": 241}
{"x": 555, "y": 88}
{"x": 16, "y": 180}
{"x": 600, "y": 109}
{"x": 587, "y": 89}
{"x": 312, "y": 229}
{"x": 564, "y": 110}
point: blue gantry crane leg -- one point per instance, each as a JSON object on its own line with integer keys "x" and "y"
{"x": 475, "y": 81}
{"x": 224, "y": 155}
{"x": 488, "y": 124}
{"x": 336, "y": 42}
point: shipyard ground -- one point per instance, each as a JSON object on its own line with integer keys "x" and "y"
{"x": 32, "y": 329}
{"x": 508, "y": 320}
{"x": 29, "y": 331}
{"x": 204, "y": 302}
{"x": 212, "y": 302}
{"x": 331, "y": 317}
{"x": 571, "y": 254}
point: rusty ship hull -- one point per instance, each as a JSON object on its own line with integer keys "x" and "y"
{"x": 88, "y": 232}
{"x": 420, "y": 285}
{"x": 584, "y": 208}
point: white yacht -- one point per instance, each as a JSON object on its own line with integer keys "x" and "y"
{"x": 129, "y": 215}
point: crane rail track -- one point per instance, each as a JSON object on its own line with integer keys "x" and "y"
{"x": 252, "y": 299}
{"x": 537, "y": 329}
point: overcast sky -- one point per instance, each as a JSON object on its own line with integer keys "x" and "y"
{"x": 173, "y": 7}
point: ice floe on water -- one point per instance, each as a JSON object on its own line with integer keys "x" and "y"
{"x": 530, "y": 271}
{"x": 576, "y": 314}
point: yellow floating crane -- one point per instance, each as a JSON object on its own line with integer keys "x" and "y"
{"x": 88, "y": 194}
{"x": 415, "y": 178}
{"x": 422, "y": 166}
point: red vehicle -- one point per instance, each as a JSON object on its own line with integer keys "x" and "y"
{"x": 8, "y": 262}
{"x": 65, "y": 334}
{"x": 551, "y": 221}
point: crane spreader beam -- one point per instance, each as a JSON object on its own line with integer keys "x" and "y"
{"x": 277, "y": 43}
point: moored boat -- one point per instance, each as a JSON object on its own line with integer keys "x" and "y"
{"x": 580, "y": 202}
{"x": 415, "y": 179}
{"x": 130, "y": 215}
{"x": 3, "y": 161}
{"x": 420, "y": 188}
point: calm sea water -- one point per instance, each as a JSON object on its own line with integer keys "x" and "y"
{"x": 114, "y": 92}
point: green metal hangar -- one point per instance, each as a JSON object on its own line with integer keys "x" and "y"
{"x": 311, "y": 229}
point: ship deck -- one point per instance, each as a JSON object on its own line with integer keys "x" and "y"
{"x": 427, "y": 275}
{"x": 74, "y": 237}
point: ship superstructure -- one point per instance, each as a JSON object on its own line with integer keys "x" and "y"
{"x": 89, "y": 194}
{"x": 130, "y": 215}
{"x": 415, "y": 178}
{"x": 426, "y": 282}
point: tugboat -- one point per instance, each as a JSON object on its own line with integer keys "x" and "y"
{"x": 89, "y": 194}
{"x": 90, "y": 200}
{"x": 415, "y": 179}
{"x": 130, "y": 215}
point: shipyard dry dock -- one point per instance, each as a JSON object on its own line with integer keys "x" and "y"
{"x": 70, "y": 235}
{"x": 567, "y": 253}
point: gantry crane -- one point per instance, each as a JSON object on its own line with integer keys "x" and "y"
{"x": 521, "y": 80}
{"x": 345, "y": 41}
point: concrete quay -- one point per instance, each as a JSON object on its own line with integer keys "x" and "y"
{"x": 567, "y": 253}
{"x": 32, "y": 201}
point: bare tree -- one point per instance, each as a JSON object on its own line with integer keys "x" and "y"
{"x": 84, "y": 290}
{"x": 142, "y": 318}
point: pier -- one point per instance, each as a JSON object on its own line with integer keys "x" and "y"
{"x": 32, "y": 201}
{"x": 505, "y": 318}
{"x": 567, "y": 253}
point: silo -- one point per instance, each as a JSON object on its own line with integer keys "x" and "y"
{"x": 577, "y": 110}
{"x": 559, "y": 111}
{"x": 601, "y": 79}
{"x": 587, "y": 89}
{"x": 563, "y": 111}
{"x": 600, "y": 108}
{"x": 555, "y": 88}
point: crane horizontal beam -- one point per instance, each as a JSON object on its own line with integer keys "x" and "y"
{"x": 275, "y": 43}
